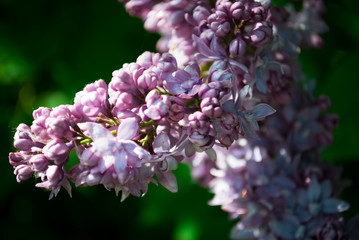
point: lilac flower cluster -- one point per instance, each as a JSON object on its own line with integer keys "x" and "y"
{"x": 126, "y": 132}
{"x": 226, "y": 96}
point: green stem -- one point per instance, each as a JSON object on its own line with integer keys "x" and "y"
{"x": 146, "y": 124}
{"x": 87, "y": 140}
{"x": 145, "y": 140}
{"x": 163, "y": 93}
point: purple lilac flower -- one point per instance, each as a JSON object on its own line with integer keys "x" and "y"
{"x": 138, "y": 8}
{"x": 184, "y": 83}
{"x": 44, "y": 148}
{"x": 261, "y": 33}
{"x": 53, "y": 178}
{"x": 22, "y": 138}
{"x": 38, "y": 125}
{"x": 161, "y": 147}
{"x": 237, "y": 47}
{"x": 39, "y": 162}
{"x": 123, "y": 92}
{"x": 58, "y": 123}
{"x": 57, "y": 151}
{"x": 23, "y": 172}
{"x": 93, "y": 100}
{"x": 146, "y": 79}
{"x": 201, "y": 133}
{"x": 157, "y": 105}
{"x": 167, "y": 18}
{"x": 228, "y": 128}
{"x": 113, "y": 161}
{"x": 176, "y": 111}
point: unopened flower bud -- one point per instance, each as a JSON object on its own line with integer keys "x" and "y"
{"x": 228, "y": 128}
{"x": 206, "y": 36}
{"x": 61, "y": 111}
{"x": 93, "y": 99}
{"x": 220, "y": 29}
{"x": 228, "y": 122}
{"x": 38, "y": 125}
{"x": 148, "y": 59}
{"x": 324, "y": 138}
{"x": 236, "y": 11}
{"x": 237, "y": 47}
{"x": 157, "y": 105}
{"x": 199, "y": 122}
{"x": 23, "y": 172}
{"x": 226, "y": 140}
{"x": 39, "y": 162}
{"x": 22, "y": 138}
{"x": 258, "y": 13}
{"x": 177, "y": 107}
{"x": 124, "y": 101}
{"x": 54, "y": 175}
{"x": 133, "y": 69}
{"x": 40, "y": 112}
{"x": 168, "y": 63}
{"x": 200, "y": 13}
{"x": 261, "y": 34}
{"x": 201, "y": 133}
{"x": 147, "y": 80}
{"x": 323, "y": 102}
{"x": 206, "y": 91}
{"x": 56, "y": 150}
{"x": 330, "y": 121}
{"x": 211, "y": 108}
{"x": 203, "y": 141}
{"x": 121, "y": 80}
{"x": 16, "y": 158}
{"x": 246, "y": 13}
{"x": 57, "y": 127}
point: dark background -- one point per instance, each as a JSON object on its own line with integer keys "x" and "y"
{"x": 49, "y": 50}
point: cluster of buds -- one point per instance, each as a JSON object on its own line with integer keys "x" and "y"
{"x": 225, "y": 97}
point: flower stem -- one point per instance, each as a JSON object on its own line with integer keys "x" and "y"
{"x": 146, "y": 124}
{"x": 85, "y": 141}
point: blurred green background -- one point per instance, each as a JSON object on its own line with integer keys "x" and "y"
{"x": 49, "y": 50}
